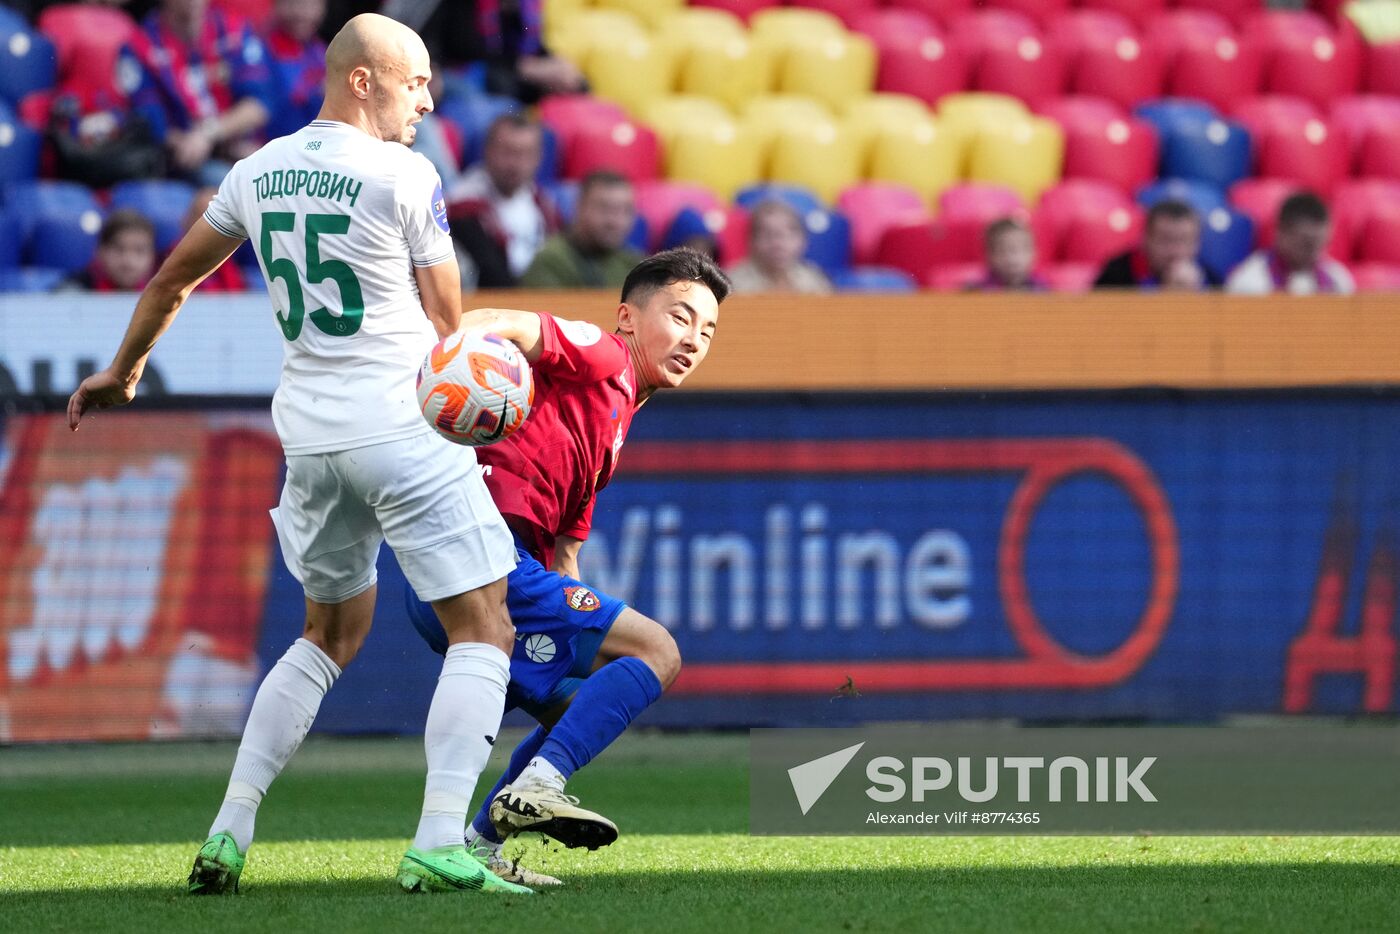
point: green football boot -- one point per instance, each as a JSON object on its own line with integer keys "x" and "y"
{"x": 217, "y": 867}
{"x": 451, "y": 869}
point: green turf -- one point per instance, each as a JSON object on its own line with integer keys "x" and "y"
{"x": 100, "y": 838}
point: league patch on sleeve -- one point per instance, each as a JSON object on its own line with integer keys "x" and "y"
{"x": 581, "y": 599}
{"x": 580, "y": 333}
{"x": 440, "y": 208}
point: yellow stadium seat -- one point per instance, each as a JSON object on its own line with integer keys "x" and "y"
{"x": 722, "y": 155}
{"x": 575, "y": 31}
{"x": 555, "y": 10}
{"x": 700, "y": 24}
{"x": 633, "y": 71}
{"x": 651, "y": 12}
{"x": 834, "y": 69}
{"x": 962, "y": 116}
{"x": 768, "y": 115}
{"x": 791, "y": 24}
{"x": 817, "y": 156}
{"x": 728, "y": 68}
{"x": 899, "y": 141}
{"x": 671, "y": 115}
{"x": 1027, "y": 157}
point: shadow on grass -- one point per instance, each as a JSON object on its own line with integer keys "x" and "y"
{"x": 1220, "y": 896}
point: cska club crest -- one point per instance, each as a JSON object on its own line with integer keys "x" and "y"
{"x": 581, "y": 599}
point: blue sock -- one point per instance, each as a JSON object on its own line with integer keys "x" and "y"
{"x": 526, "y": 751}
{"x": 608, "y": 700}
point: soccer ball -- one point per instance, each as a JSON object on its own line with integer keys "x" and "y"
{"x": 475, "y": 389}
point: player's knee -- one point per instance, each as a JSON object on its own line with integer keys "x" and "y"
{"x": 478, "y": 616}
{"x": 340, "y": 647}
{"x": 663, "y": 657}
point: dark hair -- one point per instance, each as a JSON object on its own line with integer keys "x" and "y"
{"x": 681, "y": 265}
{"x": 1172, "y": 209}
{"x": 774, "y": 207}
{"x": 122, "y": 220}
{"x": 1303, "y": 207}
{"x": 602, "y": 178}
{"x": 1003, "y": 226}
{"x": 509, "y": 121}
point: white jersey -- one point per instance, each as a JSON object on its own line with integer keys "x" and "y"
{"x": 339, "y": 220}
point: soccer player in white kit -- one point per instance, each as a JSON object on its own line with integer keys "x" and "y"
{"x": 352, "y": 236}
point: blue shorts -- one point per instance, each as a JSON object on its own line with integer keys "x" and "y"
{"x": 559, "y": 625}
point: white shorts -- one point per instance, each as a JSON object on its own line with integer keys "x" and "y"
{"x": 424, "y": 495}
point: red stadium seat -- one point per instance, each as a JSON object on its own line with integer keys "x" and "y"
{"x": 1377, "y": 277}
{"x": 1382, "y": 68}
{"x": 1139, "y": 11}
{"x": 1259, "y": 199}
{"x": 1308, "y": 153}
{"x": 1304, "y": 55}
{"x": 847, "y": 10}
{"x": 1071, "y": 277}
{"x": 1043, "y": 12}
{"x": 740, "y": 8}
{"x": 1354, "y": 204}
{"x": 1356, "y": 118}
{"x": 566, "y": 114}
{"x": 1203, "y": 58}
{"x": 1103, "y": 143}
{"x": 622, "y": 146}
{"x": 1103, "y": 56}
{"x": 888, "y": 27}
{"x": 920, "y": 64}
{"x": 1008, "y": 56}
{"x": 1236, "y": 11}
{"x": 1379, "y": 155}
{"x": 87, "y": 38}
{"x": 966, "y": 210}
{"x": 659, "y": 201}
{"x": 918, "y": 247}
{"x": 953, "y": 277}
{"x": 875, "y": 207}
{"x": 942, "y": 12}
{"x": 1085, "y": 221}
{"x": 1380, "y": 237}
{"x": 252, "y": 12}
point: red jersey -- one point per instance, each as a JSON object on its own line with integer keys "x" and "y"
{"x": 545, "y": 476}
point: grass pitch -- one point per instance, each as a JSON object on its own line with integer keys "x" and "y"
{"x": 101, "y": 838}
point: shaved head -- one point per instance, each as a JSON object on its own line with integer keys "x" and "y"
{"x": 377, "y": 73}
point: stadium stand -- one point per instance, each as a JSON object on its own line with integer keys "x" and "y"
{"x": 887, "y": 112}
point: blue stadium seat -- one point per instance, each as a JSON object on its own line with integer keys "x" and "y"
{"x": 1202, "y": 196}
{"x": 11, "y": 239}
{"x": 550, "y": 158}
{"x": 475, "y": 113}
{"x": 1167, "y": 112}
{"x": 1197, "y": 142}
{"x": 19, "y": 148}
{"x": 1227, "y": 237}
{"x": 828, "y": 239}
{"x": 28, "y": 62}
{"x": 801, "y": 199}
{"x": 60, "y": 222}
{"x": 31, "y": 279}
{"x": 873, "y": 279}
{"x": 163, "y": 201}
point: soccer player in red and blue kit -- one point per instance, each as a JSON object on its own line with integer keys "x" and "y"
{"x": 585, "y": 664}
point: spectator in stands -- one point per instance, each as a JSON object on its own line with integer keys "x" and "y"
{"x": 229, "y": 276}
{"x": 1010, "y": 249}
{"x": 201, "y": 82}
{"x": 592, "y": 253}
{"x": 1298, "y": 263}
{"x": 298, "y": 64}
{"x": 499, "y": 217}
{"x": 777, "y": 241}
{"x": 126, "y": 255}
{"x": 1167, "y": 257}
{"x": 505, "y": 37}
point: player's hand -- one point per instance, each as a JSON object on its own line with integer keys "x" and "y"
{"x": 99, "y": 391}
{"x": 190, "y": 149}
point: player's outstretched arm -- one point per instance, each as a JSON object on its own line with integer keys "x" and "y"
{"x": 566, "y": 549}
{"x": 198, "y": 253}
{"x": 520, "y": 327}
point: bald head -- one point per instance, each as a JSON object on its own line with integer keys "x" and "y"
{"x": 377, "y": 74}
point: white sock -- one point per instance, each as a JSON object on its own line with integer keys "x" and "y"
{"x": 540, "y": 771}
{"x": 282, "y": 712}
{"x": 475, "y": 840}
{"x": 462, "y": 724}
